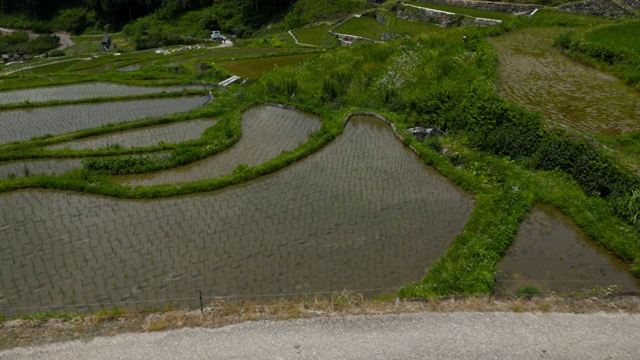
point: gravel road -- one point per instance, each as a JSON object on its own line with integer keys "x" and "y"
{"x": 461, "y": 335}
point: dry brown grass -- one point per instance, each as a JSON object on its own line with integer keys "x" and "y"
{"x": 15, "y": 333}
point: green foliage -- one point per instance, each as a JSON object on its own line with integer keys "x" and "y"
{"x": 19, "y": 42}
{"x": 613, "y": 48}
{"x": 75, "y": 20}
{"x": 528, "y": 290}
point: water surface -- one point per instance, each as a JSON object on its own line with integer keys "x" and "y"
{"x": 363, "y": 213}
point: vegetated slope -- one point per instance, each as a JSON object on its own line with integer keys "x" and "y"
{"x": 615, "y": 48}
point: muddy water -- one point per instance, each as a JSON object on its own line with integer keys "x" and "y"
{"x": 35, "y": 167}
{"x": 22, "y": 168}
{"x": 23, "y": 124}
{"x": 83, "y": 91}
{"x": 540, "y": 78}
{"x": 551, "y": 254}
{"x": 150, "y": 136}
{"x": 363, "y": 213}
{"x": 267, "y": 131}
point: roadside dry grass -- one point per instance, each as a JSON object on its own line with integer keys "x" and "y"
{"x": 21, "y": 332}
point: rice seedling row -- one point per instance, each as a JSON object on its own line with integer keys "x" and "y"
{"x": 585, "y": 99}
{"x": 24, "y": 124}
{"x": 82, "y": 91}
{"x": 37, "y": 167}
{"x": 363, "y": 213}
{"x": 267, "y": 131}
{"x": 170, "y": 133}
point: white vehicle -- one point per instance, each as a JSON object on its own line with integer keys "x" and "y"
{"x": 216, "y": 36}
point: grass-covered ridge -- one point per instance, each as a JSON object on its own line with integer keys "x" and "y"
{"x": 614, "y": 48}
{"x": 499, "y": 152}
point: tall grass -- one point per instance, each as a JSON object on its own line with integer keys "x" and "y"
{"x": 622, "y": 37}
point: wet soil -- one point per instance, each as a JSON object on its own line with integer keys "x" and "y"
{"x": 535, "y": 75}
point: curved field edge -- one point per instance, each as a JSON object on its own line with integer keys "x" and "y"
{"x": 606, "y": 49}
{"x": 505, "y": 189}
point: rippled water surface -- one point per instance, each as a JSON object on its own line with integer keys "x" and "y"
{"x": 363, "y": 213}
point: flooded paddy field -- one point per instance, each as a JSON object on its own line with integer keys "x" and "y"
{"x": 363, "y": 213}
{"x": 266, "y": 132}
{"x": 144, "y": 137}
{"x": 535, "y": 75}
{"x": 24, "y": 124}
{"x": 551, "y": 254}
{"x": 229, "y": 53}
{"x": 254, "y": 68}
{"x": 37, "y": 167}
{"x": 82, "y": 91}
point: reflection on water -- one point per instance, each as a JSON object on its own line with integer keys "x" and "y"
{"x": 551, "y": 254}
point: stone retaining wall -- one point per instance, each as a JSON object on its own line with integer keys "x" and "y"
{"x": 490, "y": 6}
{"x": 606, "y": 8}
{"x": 441, "y": 18}
{"x": 635, "y": 4}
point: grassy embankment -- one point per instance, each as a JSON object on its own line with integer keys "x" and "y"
{"x": 495, "y": 150}
{"x": 614, "y": 49}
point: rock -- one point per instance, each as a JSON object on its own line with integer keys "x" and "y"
{"x": 421, "y": 132}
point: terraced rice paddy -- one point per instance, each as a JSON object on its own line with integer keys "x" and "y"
{"x": 36, "y": 167}
{"x": 566, "y": 92}
{"x": 363, "y": 213}
{"x": 551, "y": 254}
{"x": 312, "y": 35}
{"x": 170, "y": 133}
{"x": 364, "y": 26}
{"x": 266, "y": 132}
{"x": 24, "y": 124}
{"x": 254, "y": 68}
{"x": 82, "y": 91}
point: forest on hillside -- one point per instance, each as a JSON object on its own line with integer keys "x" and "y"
{"x": 77, "y": 15}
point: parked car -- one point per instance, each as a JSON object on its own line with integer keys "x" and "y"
{"x": 216, "y": 36}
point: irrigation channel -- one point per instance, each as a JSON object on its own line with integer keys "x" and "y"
{"x": 363, "y": 213}
{"x": 540, "y": 78}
